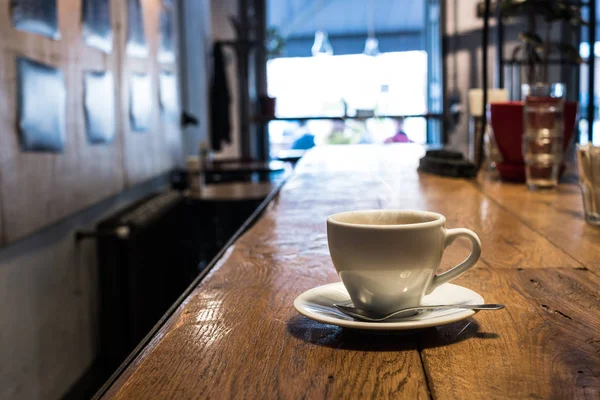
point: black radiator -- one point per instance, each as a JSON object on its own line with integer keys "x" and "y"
{"x": 148, "y": 254}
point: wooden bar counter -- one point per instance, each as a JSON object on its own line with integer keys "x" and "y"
{"x": 237, "y": 335}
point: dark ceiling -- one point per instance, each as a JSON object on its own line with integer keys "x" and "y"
{"x": 338, "y": 17}
{"x": 398, "y": 24}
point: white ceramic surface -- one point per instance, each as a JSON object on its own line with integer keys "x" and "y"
{"x": 387, "y": 259}
{"x": 318, "y": 303}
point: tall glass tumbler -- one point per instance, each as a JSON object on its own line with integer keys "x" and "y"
{"x": 543, "y": 133}
{"x": 588, "y": 161}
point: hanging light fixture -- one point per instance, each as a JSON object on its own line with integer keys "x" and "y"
{"x": 371, "y": 44}
{"x": 371, "y": 47}
{"x": 321, "y": 47}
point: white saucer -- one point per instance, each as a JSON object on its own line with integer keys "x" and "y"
{"x": 317, "y": 304}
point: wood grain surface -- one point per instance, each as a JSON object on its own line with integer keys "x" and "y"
{"x": 237, "y": 334}
{"x": 38, "y": 189}
{"x": 556, "y": 214}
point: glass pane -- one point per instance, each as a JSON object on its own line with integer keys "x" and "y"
{"x": 585, "y": 133}
{"x": 389, "y": 84}
{"x": 350, "y": 97}
{"x": 433, "y": 47}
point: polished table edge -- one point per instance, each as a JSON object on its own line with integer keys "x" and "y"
{"x": 246, "y": 167}
{"x": 233, "y": 191}
{"x": 188, "y": 291}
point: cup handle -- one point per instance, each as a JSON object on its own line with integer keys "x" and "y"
{"x": 451, "y": 236}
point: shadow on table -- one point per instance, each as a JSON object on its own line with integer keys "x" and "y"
{"x": 355, "y": 339}
{"x": 572, "y": 213}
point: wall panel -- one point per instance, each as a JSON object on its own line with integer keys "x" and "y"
{"x": 38, "y": 189}
{"x": 151, "y": 152}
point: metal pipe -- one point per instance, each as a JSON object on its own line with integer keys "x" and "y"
{"x": 499, "y": 47}
{"x": 242, "y": 54}
{"x": 445, "y": 53}
{"x": 260, "y": 70}
{"x": 591, "y": 70}
{"x": 484, "y": 44}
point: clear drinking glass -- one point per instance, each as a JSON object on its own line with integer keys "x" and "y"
{"x": 543, "y": 125}
{"x": 588, "y": 161}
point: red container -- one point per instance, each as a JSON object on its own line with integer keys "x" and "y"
{"x": 267, "y": 106}
{"x": 506, "y": 120}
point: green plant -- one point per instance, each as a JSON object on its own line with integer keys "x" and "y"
{"x": 274, "y": 43}
{"x": 535, "y": 49}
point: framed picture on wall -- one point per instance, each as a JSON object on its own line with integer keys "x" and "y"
{"x": 97, "y": 30}
{"x": 99, "y": 106}
{"x": 41, "y": 103}
{"x": 168, "y": 95}
{"x": 35, "y": 16}
{"x": 140, "y": 101}
{"x": 136, "y": 39}
{"x": 166, "y": 50}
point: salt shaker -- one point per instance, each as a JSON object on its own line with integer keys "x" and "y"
{"x": 194, "y": 169}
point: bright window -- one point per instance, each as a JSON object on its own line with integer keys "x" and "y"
{"x": 391, "y": 84}
{"x": 317, "y": 86}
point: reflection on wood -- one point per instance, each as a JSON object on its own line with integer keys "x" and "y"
{"x": 35, "y": 16}
{"x": 97, "y": 31}
{"x": 140, "y": 96}
{"x": 99, "y": 104}
{"x": 168, "y": 95}
{"x": 136, "y": 39}
{"x": 41, "y": 100}
{"x": 166, "y": 51}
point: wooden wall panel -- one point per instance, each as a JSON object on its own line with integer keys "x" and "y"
{"x": 37, "y": 189}
{"x": 171, "y": 128}
{"x": 146, "y": 153}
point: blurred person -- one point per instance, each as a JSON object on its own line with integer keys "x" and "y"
{"x": 400, "y": 136}
{"x": 366, "y": 136}
{"x": 305, "y": 139}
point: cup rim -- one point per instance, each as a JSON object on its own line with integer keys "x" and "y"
{"x": 439, "y": 219}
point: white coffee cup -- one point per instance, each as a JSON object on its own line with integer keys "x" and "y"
{"x": 387, "y": 259}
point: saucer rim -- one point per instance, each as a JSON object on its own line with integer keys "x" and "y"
{"x": 383, "y": 326}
